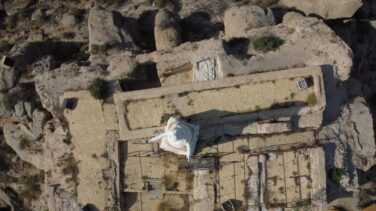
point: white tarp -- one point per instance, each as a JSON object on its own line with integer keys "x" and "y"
{"x": 179, "y": 137}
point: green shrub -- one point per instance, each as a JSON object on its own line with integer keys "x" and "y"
{"x": 311, "y": 99}
{"x": 267, "y": 43}
{"x": 335, "y": 175}
{"x": 99, "y": 89}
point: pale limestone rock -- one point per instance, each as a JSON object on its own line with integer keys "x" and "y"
{"x": 68, "y": 20}
{"x": 39, "y": 120}
{"x": 7, "y": 78}
{"x": 108, "y": 28}
{"x": 14, "y": 133}
{"x": 327, "y": 9}
{"x": 166, "y": 30}
{"x": 239, "y": 19}
{"x": 291, "y": 16}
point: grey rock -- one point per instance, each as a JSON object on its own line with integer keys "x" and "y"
{"x": 327, "y": 9}
{"x": 240, "y": 19}
{"x": 291, "y": 16}
{"x": 13, "y": 7}
{"x": 166, "y": 30}
{"x": 108, "y": 28}
{"x": 37, "y": 15}
{"x": 363, "y": 144}
{"x": 7, "y": 78}
{"x": 39, "y": 120}
{"x": 19, "y": 110}
{"x": 68, "y": 20}
{"x": 29, "y": 109}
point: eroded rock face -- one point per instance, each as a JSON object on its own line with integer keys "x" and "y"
{"x": 107, "y": 28}
{"x": 13, "y": 7}
{"x": 327, "y": 9}
{"x": 166, "y": 30}
{"x": 238, "y": 20}
{"x": 355, "y": 136}
{"x": 363, "y": 143}
{"x": 20, "y": 139}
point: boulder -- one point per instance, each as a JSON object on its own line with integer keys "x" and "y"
{"x": 109, "y": 28}
{"x": 240, "y": 19}
{"x": 19, "y": 138}
{"x": 354, "y": 135}
{"x": 7, "y": 78}
{"x": 19, "y": 110}
{"x": 166, "y": 30}
{"x": 39, "y": 120}
{"x": 15, "y": 6}
{"x": 327, "y": 9}
{"x": 363, "y": 141}
{"x": 291, "y": 16}
{"x": 68, "y": 20}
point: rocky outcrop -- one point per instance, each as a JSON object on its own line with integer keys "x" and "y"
{"x": 13, "y": 7}
{"x": 20, "y": 139}
{"x": 39, "y": 120}
{"x": 306, "y": 42}
{"x": 239, "y": 19}
{"x": 166, "y": 30}
{"x": 291, "y": 16}
{"x": 351, "y": 145}
{"x": 327, "y": 9}
{"x": 361, "y": 137}
{"x": 109, "y": 28}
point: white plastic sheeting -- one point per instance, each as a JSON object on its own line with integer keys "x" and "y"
{"x": 179, "y": 137}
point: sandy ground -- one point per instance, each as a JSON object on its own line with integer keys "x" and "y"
{"x": 214, "y": 103}
{"x": 88, "y": 123}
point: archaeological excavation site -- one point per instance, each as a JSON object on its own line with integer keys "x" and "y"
{"x": 187, "y": 105}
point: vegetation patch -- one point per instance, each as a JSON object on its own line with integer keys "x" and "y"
{"x": 267, "y": 43}
{"x": 311, "y": 99}
{"x": 165, "y": 117}
{"x": 170, "y": 183}
{"x": 303, "y": 205}
{"x": 182, "y": 94}
{"x": 99, "y": 89}
{"x": 335, "y": 175}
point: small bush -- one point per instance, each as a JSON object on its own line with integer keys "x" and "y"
{"x": 335, "y": 175}
{"x": 99, "y": 89}
{"x": 182, "y": 94}
{"x": 267, "y": 43}
{"x": 311, "y": 99}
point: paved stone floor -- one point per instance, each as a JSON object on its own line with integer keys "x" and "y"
{"x": 88, "y": 123}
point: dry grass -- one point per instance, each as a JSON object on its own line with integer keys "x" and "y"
{"x": 311, "y": 99}
{"x": 189, "y": 177}
{"x": 170, "y": 183}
